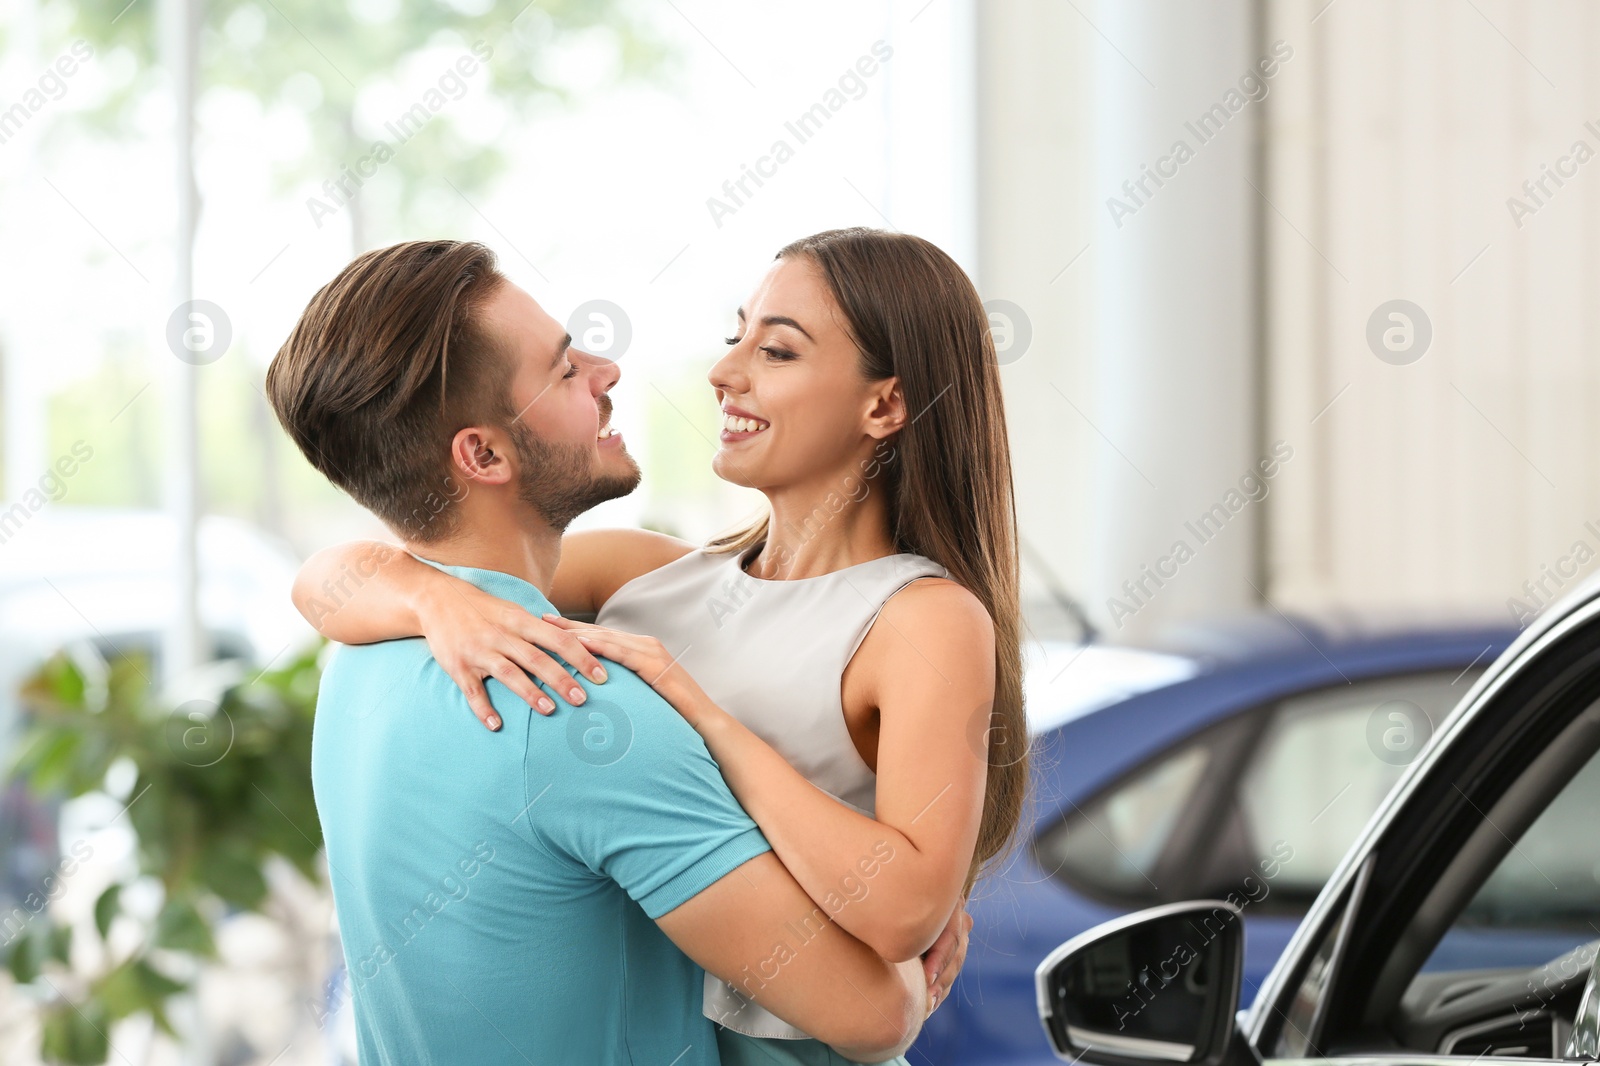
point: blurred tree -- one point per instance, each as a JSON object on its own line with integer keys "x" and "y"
{"x": 353, "y": 70}
{"x": 217, "y": 792}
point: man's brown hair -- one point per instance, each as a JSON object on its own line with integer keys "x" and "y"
{"x": 388, "y": 362}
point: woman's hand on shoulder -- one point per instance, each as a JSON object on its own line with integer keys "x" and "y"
{"x": 650, "y": 659}
{"x": 475, "y": 635}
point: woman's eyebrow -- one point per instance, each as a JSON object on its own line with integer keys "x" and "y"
{"x": 785, "y": 320}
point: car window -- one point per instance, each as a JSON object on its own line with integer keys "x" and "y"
{"x": 1544, "y": 896}
{"x": 1111, "y": 846}
{"x": 1327, "y": 759}
{"x": 1551, "y": 879}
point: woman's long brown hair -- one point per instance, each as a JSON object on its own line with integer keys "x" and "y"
{"x": 914, "y": 314}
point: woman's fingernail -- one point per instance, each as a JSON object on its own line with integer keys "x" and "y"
{"x": 545, "y": 705}
{"x": 494, "y": 721}
{"x": 599, "y": 674}
{"x": 576, "y": 695}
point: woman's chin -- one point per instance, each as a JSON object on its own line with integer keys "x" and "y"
{"x": 731, "y": 470}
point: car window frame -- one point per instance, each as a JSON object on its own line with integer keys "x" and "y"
{"x": 1336, "y": 934}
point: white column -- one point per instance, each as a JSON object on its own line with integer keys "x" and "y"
{"x": 929, "y": 120}
{"x": 182, "y": 648}
{"x": 1134, "y": 408}
{"x": 25, "y": 427}
{"x": 1035, "y": 214}
{"x": 1176, "y": 353}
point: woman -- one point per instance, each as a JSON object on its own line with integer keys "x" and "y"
{"x": 885, "y": 762}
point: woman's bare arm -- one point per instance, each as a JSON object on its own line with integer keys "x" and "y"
{"x": 363, "y": 592}
{"x": 595, "y": 563}
{"x": 368, "y": 591}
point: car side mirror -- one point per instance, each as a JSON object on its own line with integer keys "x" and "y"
{"x": 1161, "y": 985}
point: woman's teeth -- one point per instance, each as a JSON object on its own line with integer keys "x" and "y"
{"x": 735, "y": 424}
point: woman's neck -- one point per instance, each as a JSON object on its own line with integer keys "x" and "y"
{"x": 814, "y": 532}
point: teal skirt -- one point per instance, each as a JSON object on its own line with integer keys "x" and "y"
{"x": 737, "y": 1049}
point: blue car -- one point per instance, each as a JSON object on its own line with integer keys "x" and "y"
{"x": 1241, "y": 767}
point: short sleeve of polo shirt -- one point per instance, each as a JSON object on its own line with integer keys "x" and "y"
{"x": 625, "y": 787}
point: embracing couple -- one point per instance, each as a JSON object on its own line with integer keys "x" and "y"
{"x": 738, "y": 817}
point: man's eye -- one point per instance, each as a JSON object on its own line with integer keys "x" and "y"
{"x": 572, "y": 371}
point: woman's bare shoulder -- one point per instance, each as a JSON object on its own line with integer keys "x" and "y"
{"x": 932, "y": 646}
{"x": 932, "y": 618}
{"x": 940, "y": 603}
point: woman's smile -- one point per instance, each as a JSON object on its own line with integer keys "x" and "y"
{"x": 739, "y": 424}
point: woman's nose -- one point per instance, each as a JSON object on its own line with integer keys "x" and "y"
{"x": 727, "y": 373}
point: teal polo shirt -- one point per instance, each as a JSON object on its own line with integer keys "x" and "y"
{"x": 496, "y": 891}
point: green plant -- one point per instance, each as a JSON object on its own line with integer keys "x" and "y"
{"x": 219, "y": 790}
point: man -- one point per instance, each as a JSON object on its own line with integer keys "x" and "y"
{"x": 537, "y": 893}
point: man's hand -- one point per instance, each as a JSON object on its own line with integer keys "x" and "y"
{"x": 942, "y": 962}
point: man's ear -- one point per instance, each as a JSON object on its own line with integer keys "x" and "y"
{"x": 481, "y": 455}
{"x": 887, "y": 416}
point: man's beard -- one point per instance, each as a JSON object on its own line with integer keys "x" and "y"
{"x": 558, "y": 479}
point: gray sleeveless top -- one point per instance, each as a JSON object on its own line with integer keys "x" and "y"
{"x": 772, "y": 654}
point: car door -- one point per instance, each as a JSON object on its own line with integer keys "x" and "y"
{"x": 1464, "y": 924}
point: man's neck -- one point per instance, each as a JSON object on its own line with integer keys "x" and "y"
{"x": 527, "y": 550}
